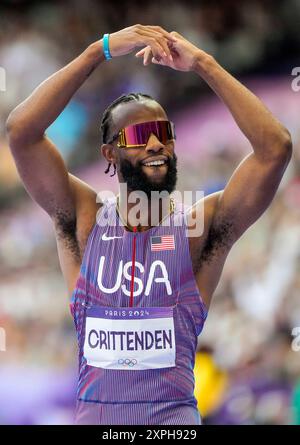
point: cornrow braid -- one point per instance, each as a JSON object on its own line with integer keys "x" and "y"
{"x": 106, "y": 122}
{"x": 108, "y": 168}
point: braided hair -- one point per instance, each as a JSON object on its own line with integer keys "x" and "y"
{"x": 107, "y": 122}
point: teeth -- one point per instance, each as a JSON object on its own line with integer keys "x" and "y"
{"x": 155, "y": 163}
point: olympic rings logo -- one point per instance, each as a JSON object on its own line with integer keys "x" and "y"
{"x": 127, "y": 362}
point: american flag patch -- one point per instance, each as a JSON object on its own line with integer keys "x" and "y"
{"x": 165, "y": 242}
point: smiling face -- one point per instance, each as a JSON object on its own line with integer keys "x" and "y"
{"x": 133, "y": 163}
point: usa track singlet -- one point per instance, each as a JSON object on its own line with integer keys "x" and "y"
{"x": 136, "y": 364}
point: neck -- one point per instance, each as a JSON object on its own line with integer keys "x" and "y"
{"x": 137, "y": 210}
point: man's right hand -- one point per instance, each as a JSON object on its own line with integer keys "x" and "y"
{"x": 126, "y": 40}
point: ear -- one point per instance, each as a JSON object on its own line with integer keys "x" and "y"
{"x": 108, "y": 151}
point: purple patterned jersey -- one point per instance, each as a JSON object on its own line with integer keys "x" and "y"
{"x": 136, "y": 363}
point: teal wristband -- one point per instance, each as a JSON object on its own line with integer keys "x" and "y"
{"x": 106, "y": 47}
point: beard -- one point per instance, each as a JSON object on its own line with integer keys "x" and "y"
{"x": 136, "y": 179}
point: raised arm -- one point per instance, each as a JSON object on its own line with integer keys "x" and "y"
{"x": 39, "y": 163}
{"x": 228, "y": 213}
{"x": 255, "y": 181}
{"x": 253, "y": 184}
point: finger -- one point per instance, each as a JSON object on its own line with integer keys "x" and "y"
{"x": 147, "y": 56}
{"x": 161, "y": 30}
{"x": 164, "y": 50}
{"x": 163, "y": 42}
{"x": 173, "y": 50}
{"x": 157, "y": 62}
{"x": 146, "y": 53}
{"x": 165, "y": 45}
{"x": 157, "y": 50}
{"x": 167, "y": 49}
{"x": 154, "y": 39}
{"x": 141, "y": 52}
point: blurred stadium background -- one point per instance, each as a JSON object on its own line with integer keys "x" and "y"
{"x": 246, "y": 370}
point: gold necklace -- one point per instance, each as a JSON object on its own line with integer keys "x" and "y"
{"x": 171, "y": 210}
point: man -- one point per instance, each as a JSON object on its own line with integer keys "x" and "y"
{"x": 140, "y": 293}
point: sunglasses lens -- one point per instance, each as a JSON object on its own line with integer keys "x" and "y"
{"x": 137, "y": 135}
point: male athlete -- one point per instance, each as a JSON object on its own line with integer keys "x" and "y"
{"x": 140, "y": 293}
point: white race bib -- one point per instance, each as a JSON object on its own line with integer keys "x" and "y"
{"x": 130, "y": 338}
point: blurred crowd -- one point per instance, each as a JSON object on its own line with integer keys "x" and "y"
{"x": 246, "y": 369}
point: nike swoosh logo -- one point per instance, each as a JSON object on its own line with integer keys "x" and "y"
{"x": 108, "y": 238}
